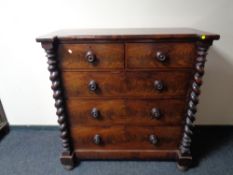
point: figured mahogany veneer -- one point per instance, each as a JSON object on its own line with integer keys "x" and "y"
{"x": 143, "y": 55}
{"x": 130, "y": 84}
{"x": 126, "y": 93}
{"x": 72, "y": 56}
{"x": 125, "y": 112}
{"x": 123, "y": 137}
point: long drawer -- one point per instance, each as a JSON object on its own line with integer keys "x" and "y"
{"x": 125, "y": 112}
{"x": 125, "y": 137}
{"x": 126, "y": 84}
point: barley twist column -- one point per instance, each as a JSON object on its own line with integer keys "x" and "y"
{"x": 185, "y": 152}
{"x": 67, "y": 154}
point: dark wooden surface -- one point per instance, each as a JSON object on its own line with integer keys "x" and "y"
{"x": 67, "y": 156}
{"x": 193, "y": 99}
{"x": 127, "y": 34}
{"x": 72, "y": 56}
{"x": 128, "y": 154}
{"x": 128, "y": 67}
{"x": 126, "y": 137}
{"x": 125, "y": 112}
{"x": 126, "y": 84}
{"x": 178, "y": 55}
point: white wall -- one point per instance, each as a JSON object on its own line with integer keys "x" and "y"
{"x": 24, "y": 83}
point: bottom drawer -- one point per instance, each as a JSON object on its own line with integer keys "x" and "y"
{"x": 123, "y": 137}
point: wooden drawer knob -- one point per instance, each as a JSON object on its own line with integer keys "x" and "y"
{"x": 162, "y": 57}
{"x": 156, "y": 113}
{"x": 90, "y": 57}
{"x": 153, "y": 139}
{"x": 158, "y": 84}
{"x": 92, "y": 85}
{"x": 97, "y": 139}
{"x": 95, "y": 113}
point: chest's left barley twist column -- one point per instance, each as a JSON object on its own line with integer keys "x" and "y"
{"x": 67, "y": 157}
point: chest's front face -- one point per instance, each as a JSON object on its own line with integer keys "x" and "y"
{"x": 126, "y": 98}
{"x": 131, "y": 95}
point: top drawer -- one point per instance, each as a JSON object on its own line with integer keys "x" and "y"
{"x": 91, "y": 56}
{"x": 160, "y": 55}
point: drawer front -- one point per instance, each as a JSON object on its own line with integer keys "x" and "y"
{"x": 91, "y": 56}
{"x": 130, "y": 84}
{"x": 125, "y": 112}
{"x": 160, "y": 55}
{"x": 124, "y": 137}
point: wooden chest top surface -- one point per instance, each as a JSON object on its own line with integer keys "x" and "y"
{"x": 127, "y": 33}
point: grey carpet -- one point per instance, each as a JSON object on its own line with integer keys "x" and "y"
{"x": 35, "y": 151}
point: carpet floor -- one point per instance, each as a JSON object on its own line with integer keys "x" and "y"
{"x": 35, "y": 151}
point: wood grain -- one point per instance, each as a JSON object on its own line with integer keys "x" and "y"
{"x": 125, "y": 112}
{"x": 126, "y": 84}
{"x": 143, "y": 55}
{"x": 72, "y": 56}
{"x": 123, "y": 137}
{"x": 135, "y": 154}
{"x": 135, "y": 71}
{"x": 109, "y": 35}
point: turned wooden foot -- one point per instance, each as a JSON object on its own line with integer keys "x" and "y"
{"x": 184, "y": 162}
{"x": 68, "y": 161}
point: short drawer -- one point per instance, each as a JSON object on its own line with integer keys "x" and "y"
{"x": 126, "y": 84}
{"x": 91, "y": 56}
{"x": 160, "y": 55}
{"x": 125, "y": 137}
{"x": 125, "y": 112}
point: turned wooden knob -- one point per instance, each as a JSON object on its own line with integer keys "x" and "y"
{"x": 160, "y": 56}
{"x": 158, "y": 84}
{"x": 97, "y": 139}
{"x": 92, "y": 85}
{"x": 153, "y": 139}
{"x": 156, "y": 113}
{"x": 90, "y": 56}
{"x": 95, "y": 113}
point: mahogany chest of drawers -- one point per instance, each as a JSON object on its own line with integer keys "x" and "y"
{"x": 126, "y": 93}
